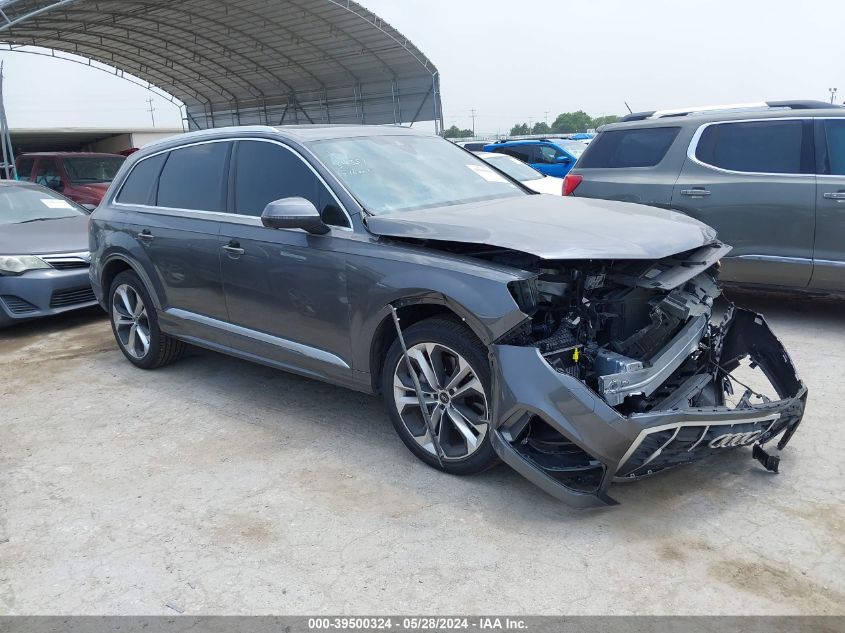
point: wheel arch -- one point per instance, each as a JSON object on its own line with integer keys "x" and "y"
{"x": 410, "y": 311}
{"x": 116, "y": 264}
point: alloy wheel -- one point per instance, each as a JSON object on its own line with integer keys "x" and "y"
{"x": 453, "y": 395}
{"x": 131, "y": 322}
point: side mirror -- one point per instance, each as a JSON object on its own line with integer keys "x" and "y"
{"x": 293, "y": 213}
{"x": 563, "y": 160}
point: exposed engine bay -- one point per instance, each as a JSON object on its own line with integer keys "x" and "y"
{"x": 634, "y": 331}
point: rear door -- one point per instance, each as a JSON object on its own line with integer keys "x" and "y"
{"x": 754, "y": 182}
{"x": 175, "y": 233}
{"x": 285, "y": 288}
{"x": 829, "y": 253}
{"x": 632, "y": 165}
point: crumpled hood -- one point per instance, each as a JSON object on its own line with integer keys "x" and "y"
{"x": 62, "y": 235}
{"x": 554, "y": 227}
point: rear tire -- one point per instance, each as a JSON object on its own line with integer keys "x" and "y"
{"x": 454, "y": 373}
{"x": 135, "y": 325}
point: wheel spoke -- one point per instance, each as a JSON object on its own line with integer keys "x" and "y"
{"x": 122, "y": 321}
{"x": 460, "y": 423}
{"x": 473, "y": 385}
{"x": 144, "y": 337}
{"x": 463, "y": 370}
{"x": 425, "y": 367}
{"x": 139, "y": 308}
{"x": 130, "y": 343}
{"x": 124, "y": 303}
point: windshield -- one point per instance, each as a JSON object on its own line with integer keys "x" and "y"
{"x": 88, "y": 169}
{"x": 576, "y": 148}
{"x": 512, "y": 167}
{"x": 403, "y": 173}
{"x": 22, "y": 203}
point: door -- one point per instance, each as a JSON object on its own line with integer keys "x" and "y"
{"x": 754, "y": 182}
{"x": 179, "y": 199}
{"x": 285, "y": 288}
{"x": 829, "y": 254}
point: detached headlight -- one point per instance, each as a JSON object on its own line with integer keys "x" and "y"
{"x": 17, "y": 264}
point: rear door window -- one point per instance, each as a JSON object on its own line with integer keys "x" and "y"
{"x": 524, "y": 153}
{"x": 195, "y": 177}
{"x": 834, "y": 135}
{"x": 139, "y": 186}
{"x": 766, "y": 147}
{"x": 644, "y": 147}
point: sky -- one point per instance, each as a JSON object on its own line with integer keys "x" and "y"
{"x": 517, "y": 60}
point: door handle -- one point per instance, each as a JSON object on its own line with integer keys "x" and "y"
{"x": 695, "y": 192}
{"x": 839, "y": 196}
{"x": 234, "y": 249}
{"x": 145, "y": 236}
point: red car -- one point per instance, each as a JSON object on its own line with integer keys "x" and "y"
{"x": 81, "y": 176}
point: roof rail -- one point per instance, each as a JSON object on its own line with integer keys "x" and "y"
{"x": 761, "y": 105}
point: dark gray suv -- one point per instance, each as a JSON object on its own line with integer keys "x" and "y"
{"x": 769, "y": 177}
{"x": 579, "y": 341}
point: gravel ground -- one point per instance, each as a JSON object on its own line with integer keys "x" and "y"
{"x": 216, "y": 486}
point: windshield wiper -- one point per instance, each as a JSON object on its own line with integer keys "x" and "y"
{"x": 39, "y": 220}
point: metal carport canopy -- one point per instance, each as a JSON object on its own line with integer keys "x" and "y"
{"x": 242, "y": 62}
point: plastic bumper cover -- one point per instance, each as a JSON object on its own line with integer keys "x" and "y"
{"x": 606, "y": 445}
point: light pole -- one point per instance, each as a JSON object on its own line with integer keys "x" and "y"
{"x": 832, "y": 93}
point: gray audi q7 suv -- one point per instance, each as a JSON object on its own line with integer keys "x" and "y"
{"x": 769, "y": 177}
{"x": 579, "y": 341}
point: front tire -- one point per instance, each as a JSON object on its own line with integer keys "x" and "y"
{"x": 453, "y": 370}
{"x": 135, "y": 325}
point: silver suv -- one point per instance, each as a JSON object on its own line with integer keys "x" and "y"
{"x": 770, "y": 177}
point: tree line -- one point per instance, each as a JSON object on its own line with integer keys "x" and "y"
{"x": 565, "y": 123}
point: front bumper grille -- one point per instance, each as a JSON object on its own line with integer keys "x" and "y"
{"x": 69, "y": 261}
{"x": 72, "y": 296}
{"x": 16, "y": 305}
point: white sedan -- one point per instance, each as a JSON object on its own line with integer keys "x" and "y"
{"x": 525, "y": 174}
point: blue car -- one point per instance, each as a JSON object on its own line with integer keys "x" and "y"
{"x": 553, "y": 157}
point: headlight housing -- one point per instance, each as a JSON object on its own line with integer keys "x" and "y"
{"x": 19, "y": 264}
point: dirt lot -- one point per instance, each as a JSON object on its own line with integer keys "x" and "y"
{"x": 217, "y": 486}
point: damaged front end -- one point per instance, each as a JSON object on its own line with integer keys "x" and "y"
{"x": 626, "y": 368}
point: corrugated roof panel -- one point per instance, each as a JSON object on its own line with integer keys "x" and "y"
{"x": 245, "y": 61}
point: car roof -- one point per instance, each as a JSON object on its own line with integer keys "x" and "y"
{"x": 298, "y": 133}
{"x": 698, "y": 118}
{"x": 66, "y": 154}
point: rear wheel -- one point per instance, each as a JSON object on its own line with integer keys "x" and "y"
{"x": 135, "y": 325}
{"x": 454, "y": 375}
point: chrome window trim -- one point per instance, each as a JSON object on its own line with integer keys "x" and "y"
{"x": 115, "y": 199}
{"x": 313, "y": 353}
{"x": 693, "y": 146}
{"x": 773, "y": 258}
